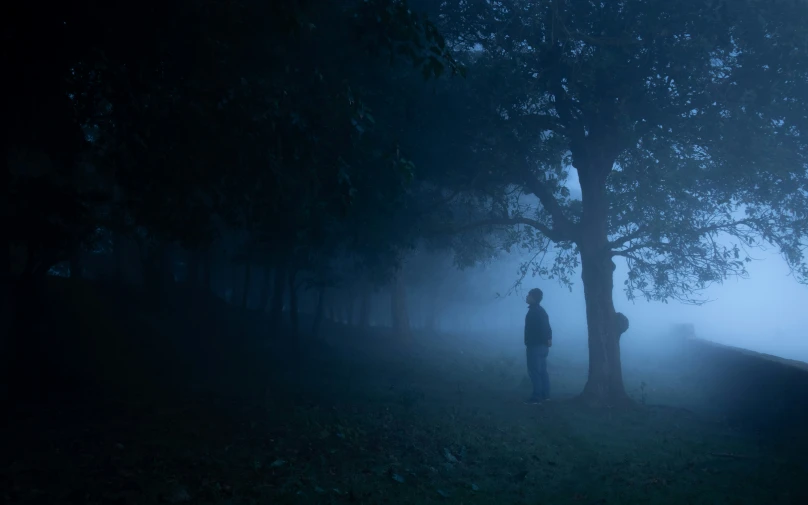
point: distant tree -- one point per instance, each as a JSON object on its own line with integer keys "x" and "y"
{"x": 229, "y": 117}
{"x": 225, "y": 105}
{"x": 685, "y": 122}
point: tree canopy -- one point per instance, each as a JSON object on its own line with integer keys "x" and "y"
{"x": 253, "y": 117}
{"x": 684, "y": 122}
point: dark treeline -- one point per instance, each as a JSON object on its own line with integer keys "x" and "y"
{"x": 235, "y": 148}
{"x": 343, "y": 158}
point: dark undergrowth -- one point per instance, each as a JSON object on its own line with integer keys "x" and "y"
{"x": 355, "y": 420}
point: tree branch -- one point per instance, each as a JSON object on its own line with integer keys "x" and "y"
{"x": 542, "y": 122}
{"x": 562, "y": 103}
{"x": 696, "y": 233}
{"x": 454, "y": 194}
{"x": 563, "y": 228}
{"x": 628, "y": 238}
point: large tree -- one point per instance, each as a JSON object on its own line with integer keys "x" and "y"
{"x": 684, "y": 121}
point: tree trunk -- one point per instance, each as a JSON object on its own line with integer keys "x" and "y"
{"x": 318, "y": 312}
{"x": 293, "y": 311}
{"x": 400, "y": 316}
{"x": 245, "y": 295}
{"x": 604, "y": 384}
{"x": 278, "y": 290}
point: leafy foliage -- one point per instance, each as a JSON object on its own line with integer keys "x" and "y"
{"x": 685, "y": 121}
{"x": 248, "y": 116}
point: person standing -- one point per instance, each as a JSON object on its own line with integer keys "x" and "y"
{"x": 538, "y": 340}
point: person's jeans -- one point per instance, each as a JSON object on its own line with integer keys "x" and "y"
{"x": 537, "y": 371}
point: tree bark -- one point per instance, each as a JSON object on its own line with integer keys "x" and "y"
{"x": 399, "y": 314}
{"x": 604, "y": 384}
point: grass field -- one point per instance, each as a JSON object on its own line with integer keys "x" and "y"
{"x": 361, "y": 422}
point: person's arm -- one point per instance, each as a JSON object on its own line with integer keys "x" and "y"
{"x": 531, "y": 327}
{"x": 527, "y": 326}
{"x": 547, "y": 330}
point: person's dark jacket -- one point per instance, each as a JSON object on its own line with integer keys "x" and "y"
{"x": 537, "y": 326}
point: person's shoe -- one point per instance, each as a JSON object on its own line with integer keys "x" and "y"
{"x": 532, "y": 401}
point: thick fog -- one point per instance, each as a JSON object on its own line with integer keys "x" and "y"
{"x": 765, "y": 312}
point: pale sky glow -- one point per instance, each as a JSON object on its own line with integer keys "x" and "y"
{"x": 768, "y": 311}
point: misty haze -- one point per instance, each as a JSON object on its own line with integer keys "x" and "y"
{"x": 406, "y": 252}
{"x": 764, "y": 312}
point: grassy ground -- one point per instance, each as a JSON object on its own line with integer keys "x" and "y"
{"x": 360, "y": 422}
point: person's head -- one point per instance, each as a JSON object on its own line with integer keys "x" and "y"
{"x": 534, "y": 296}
